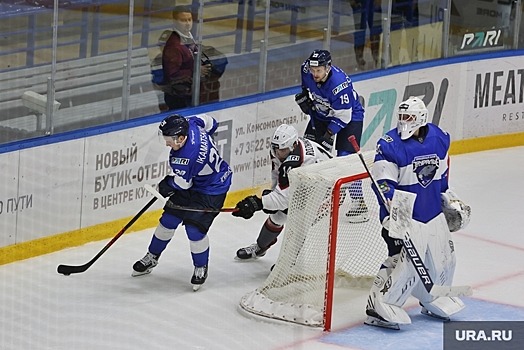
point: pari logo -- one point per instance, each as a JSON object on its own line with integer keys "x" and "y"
{"x": 479, "y": 40}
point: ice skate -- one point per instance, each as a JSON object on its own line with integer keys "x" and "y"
{"x": 374, "y": 319}
{"x": 199, "y": 277}
{"x": 251, "y": 252}
{"x": 358, "y": 211}
{"x": 145, "y": 265}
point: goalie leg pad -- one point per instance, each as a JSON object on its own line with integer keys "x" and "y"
{"x": 374, "y": 319}
{"x": 443, "y": 307}
{"x": 440, "y": 258}
{"x": 404, "y": 278}
{"x": 379, "y": 313}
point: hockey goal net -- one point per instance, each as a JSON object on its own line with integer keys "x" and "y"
{"x": 321, "y": 248}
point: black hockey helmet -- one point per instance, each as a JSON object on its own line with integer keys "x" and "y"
{"x": 174, "y": 125}
{"x": 319, "y": 58}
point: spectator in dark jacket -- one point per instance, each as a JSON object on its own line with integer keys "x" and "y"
{"x": 178, "y": 59}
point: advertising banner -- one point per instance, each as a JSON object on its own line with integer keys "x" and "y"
{"x": 66, "y": 186}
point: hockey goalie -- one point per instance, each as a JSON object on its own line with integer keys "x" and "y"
{"x": 413, "y": 158}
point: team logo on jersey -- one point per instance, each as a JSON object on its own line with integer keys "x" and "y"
{"x": 180, "y": 161}
{"x": 426, "y": 168}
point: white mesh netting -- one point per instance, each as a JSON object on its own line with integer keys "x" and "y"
{"x": 296, "y": 289}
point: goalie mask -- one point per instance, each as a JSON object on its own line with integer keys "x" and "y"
{"x": 412, "y": 114}
{"x": 283, "y": 141}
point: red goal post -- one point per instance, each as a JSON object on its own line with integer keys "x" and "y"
{"x": 321, "y": 249}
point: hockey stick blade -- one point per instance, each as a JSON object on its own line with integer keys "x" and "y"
{"x": 164, "y": 200}
{"x": 69, "y": 269}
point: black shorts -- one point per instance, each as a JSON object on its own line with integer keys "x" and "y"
{"x": 194, "y": 199}
{"x": 317, "y": 131}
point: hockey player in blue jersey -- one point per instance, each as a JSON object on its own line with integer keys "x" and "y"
{"x": 413, "y": 157}
{"x": 334, "y": 108}
{"x": 201, "y": 179}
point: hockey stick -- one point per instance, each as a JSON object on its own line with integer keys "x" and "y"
{"x": 414, "y": 256}
{"x": 164, "y": 200}
{"x": 69, "y": 269}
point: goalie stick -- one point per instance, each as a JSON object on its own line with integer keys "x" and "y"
{"x": 69, "y": 269}
{"x": 414, "y": 256}
{"x": 164, "y": 200}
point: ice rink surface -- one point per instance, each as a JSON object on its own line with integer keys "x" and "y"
{"x": 106, "y": 308}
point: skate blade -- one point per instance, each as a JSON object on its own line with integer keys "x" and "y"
{"x": 372, "y": 321}
{"x": 435, "y": 316}
{"x": 136, "y": 273}
{"x": 196, "y": 287}
{"x": 249, "y": 259}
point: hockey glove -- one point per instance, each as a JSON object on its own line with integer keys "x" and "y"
{"x": 457, "y": 213}
{"x": 304, "y": 102}
{"x": 164, "y": 187}
{"x": 267, "y": 211}
{"x": 327, "y": 140}
{"x": 247, "y": 207}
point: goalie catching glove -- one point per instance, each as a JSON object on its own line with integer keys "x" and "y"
{"x": 457, "y": 212}
{"x": 247, "y": 207}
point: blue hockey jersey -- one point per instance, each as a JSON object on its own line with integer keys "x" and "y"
{"x": 198, "y": 165}
{"x": 414, "y": 165}
{"x": 335, "y": 100}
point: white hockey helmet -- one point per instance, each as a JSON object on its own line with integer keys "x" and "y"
{"x": 284, "y": 137}
{"x": 412, "y": 114}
